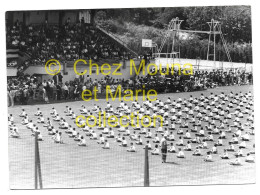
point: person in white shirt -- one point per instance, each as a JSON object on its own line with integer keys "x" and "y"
{"x": 159, "y": 130}
{"x": 93, "y": 135}
{"x": 83, "y": 111}
{"x": 222, "y": 134}
{"x": 231, "y": 147}
{"x": 173, "y": 118}
{"x": 105, "y": 131}
{"x": 148, "y": 134}
{"x": 53, "y": 112}
{"x": 77, "y": 137}
{"x": 82, "y": 141}
{"x": 219, "y": 142}
{"x": 14, "y": 132}
{"x": 139, "y": 141}
{"x": 171, "y": 148}
{"x": 34, "y": 130}
{"x": 236, "y": 161}
{"x": 57, "y": 118}
{"x": 65, "y": 125}
{"x": 172, "y": 126}
{"x": 224, "y": 155}
{"x": 180, "y": 154}
{"x": 208, "y": 157}
{"x": 197, "y": 152}
{"x": 215, "y": 130}
{"x": 239, "y": 153}
{"x": 170, "y": 137}
{"x": 67, "y": 109}
{"x": 194, "y": 129}
{"x": 242, "y": 144}
{"x": 25, "y": 120}
{"x": 249, "y": 158}
{"x": 101, "y": 139}
{"x": 131, "y": 148}
{"x": 245, "y": 137}
{"x": 214, "y": 149}
{"x": 179, "y": 132}
{"x": 101, "y": 127}
{"x": 209, "y": 137}
{"x": 168, "y": 101}
{"x": 234, "y": 140}
{"x": 73, "y": 116}
{"x": 58, "y": 138}
{"x": 23, "y": 114}
{"x": 203, "y": 145}
{"x": 106, "y": 145}
{"x": 143, "y": 131}
{"x": 191, "y": 113}
{"x": 127, "y": 132}
{"x": 188, "y": 146}
{"x": 133, "y": 136}
{"x": 70, "y": 130}
{"x": 148, "y": 145}
{"x": 155, "y": 151}
{"x": 228, "y": 130}
{"x": 180, "y": 142}
{"x": 38, "y": 112}
{"x": 40, "y": 138}
{"x": 52, "y": 131}
{"x": 74, "y": 133}
{"x": 11, "y": 118}
{"x": 30, "y": 125}
{"x": 111, "y": 133}
{"x": 238, "y": 133}
{"x": 124, "y": 142}
{"x": 201, "y": 133}
{"x": 156, "y": 139}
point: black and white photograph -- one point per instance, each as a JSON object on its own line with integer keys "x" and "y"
{"x": 130, "y": 97}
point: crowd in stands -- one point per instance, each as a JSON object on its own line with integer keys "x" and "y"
{"x": 26, "y": 87}
{"x": 66, "y": 42}
{"x": 11, "y": 63}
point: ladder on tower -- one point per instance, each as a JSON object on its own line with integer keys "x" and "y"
{"x": 174, "y": 28}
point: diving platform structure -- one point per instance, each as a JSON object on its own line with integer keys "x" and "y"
{"x": 173, "y": 31}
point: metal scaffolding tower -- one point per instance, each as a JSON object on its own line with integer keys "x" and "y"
{"x": 173, "y": 31}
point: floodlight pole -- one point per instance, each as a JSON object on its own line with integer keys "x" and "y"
{"x": 36, "y": 162}
{"x": 37, "y": 165}
{"x": 146, "y": 168}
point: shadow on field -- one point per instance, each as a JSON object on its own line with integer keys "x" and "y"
{"x": 173, "y": 163}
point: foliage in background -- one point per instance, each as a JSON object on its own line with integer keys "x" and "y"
{"x": 133, "y": 25}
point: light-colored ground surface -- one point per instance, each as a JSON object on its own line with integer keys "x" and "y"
{"x": 70, "y": 166}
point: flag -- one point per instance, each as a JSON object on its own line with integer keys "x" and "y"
{"x": 147, "y": 43}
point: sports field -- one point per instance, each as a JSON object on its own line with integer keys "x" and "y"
{"x": 70, "y": 166}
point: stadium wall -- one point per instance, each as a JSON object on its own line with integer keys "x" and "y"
{"x": 205, "y": 64}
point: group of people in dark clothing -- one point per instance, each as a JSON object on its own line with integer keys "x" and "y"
{"x": 21, "y": 89}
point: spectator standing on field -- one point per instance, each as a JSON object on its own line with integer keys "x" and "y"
{"x": 164, "y": 149}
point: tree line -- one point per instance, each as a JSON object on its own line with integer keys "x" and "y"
{"x": 133, "y": 25}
